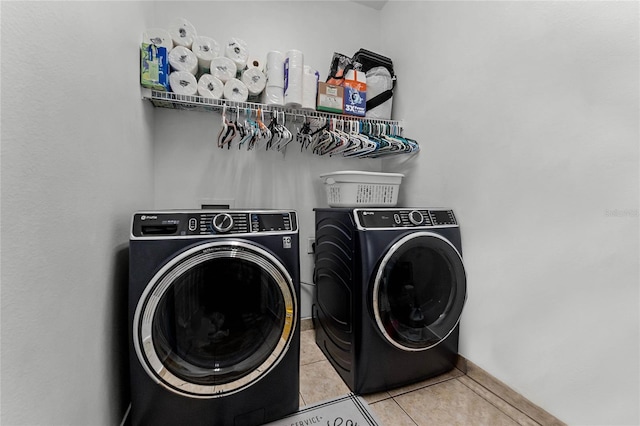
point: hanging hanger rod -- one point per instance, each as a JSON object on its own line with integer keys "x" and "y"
{"x": 187, "y": 102}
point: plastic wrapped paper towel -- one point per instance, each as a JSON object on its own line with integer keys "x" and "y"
{"x": 235, "y": 90}
{"x": 274, "y": 69}
{"x": 182, "y": 32}
{"x": 293, "y": 70}
{"x": 158, "y": 37}
{"x": 183, "y": 83}
{"x": 273, "y": 95}
{"x": 309, "y": 88}
{"x": 183, "y": 59}
{"x": 210, "y": 87}
{"x": 206, "y": 50}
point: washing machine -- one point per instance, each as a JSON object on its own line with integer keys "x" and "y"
{"x": 390, "y": 289}
{"x": 213, "y": 314}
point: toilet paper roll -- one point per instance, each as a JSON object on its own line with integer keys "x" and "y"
{"x": 182, "y": 32}
{"x": 235, "y": 90}
{"x": 273, "y": 95}
{"x": 206, "y": 49}
{"x": 309, "y": 88}
{"x": 183, "y": 59}
{"x": 293, "y": 71}
{"x": 237, "y": 51}
{"x": 255, "y": 80}
{"x": 274, "y": 69}
{"x": 183, "y": 83}
{"x": 159, "y": 37}
{"x": 255, "y": 62}
{"x": 223, "y": 68}
{"x": 210, "y": 87}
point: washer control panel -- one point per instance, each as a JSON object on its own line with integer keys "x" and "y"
{"x": 212, "y": 222}
{"x": 404, "y": 218}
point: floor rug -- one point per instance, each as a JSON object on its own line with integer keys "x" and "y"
{"x": 348, "y": 410}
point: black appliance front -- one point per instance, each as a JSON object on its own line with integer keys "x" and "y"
{"x": 390, "y": 289}
{"x": 213, "y": 315}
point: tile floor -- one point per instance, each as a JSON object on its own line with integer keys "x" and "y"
{"x": 454, "y": 398}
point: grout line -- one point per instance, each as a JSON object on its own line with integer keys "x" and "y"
{"x": 426, "y": 385}
{"x": 403, "y": 410}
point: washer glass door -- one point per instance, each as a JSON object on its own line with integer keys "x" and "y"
{"x": 215, "y": 319}
{"x": 419, "y": 291}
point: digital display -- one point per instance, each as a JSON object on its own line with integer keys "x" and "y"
{"x": 442, "y": 217}
{"x": 272, "y": 222}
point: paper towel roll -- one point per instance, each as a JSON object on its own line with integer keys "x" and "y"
{"x": 273, "y": 95}
{"x": 223, "y": 68}
{"x": 182, "y": 32}
{"x": 159, "y": 37}
{"x": 183, "y": 83}
{"x": 293, "y": 70}
{"x": 295, "y": 57}
{"x": 255, "y": 80}
{"x": 210, "y": 87}
{"x": 183, "y": 59}
{"x": 274, "y": 69}
{"x": 275, "y": 59}
{"x": 309, "y": 88}
{"x": 235, "y": 90}
{"x": 206, "y": 49}
{"x": 237, "y": 51}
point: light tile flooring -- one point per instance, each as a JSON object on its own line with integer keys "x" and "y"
{"x": 454, "y": 398}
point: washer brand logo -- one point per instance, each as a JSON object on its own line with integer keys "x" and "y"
{"x": 367, "y": 213}
{"x": 286, "y": 242}
{"x": 143, "y": 217}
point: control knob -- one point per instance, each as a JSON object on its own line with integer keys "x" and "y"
{"x": 416, "y": 217}
{"x": 222, "y": 222}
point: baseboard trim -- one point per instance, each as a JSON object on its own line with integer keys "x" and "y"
{"x": 306, "y": 324}
{"x": 507, "y": 394}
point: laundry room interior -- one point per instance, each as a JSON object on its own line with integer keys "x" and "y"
{"x": 527, "y": 118}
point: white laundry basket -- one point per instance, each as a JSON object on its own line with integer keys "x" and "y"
{"x": 362, "y": 189}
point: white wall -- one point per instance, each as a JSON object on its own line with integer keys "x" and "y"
{"x": 189, "y": 166}
{"x": 76, "y": 162}
{"x": 528, "y": 120}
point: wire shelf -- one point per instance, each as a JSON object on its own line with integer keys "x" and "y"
{"x": 199, "y": 103}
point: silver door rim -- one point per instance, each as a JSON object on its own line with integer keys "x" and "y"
{"x": 376, "y": 288}
{"x": 162, "y": 281}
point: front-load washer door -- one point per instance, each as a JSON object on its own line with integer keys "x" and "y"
{"x": 215, "y": 319}
{"x": 419, "y": 291}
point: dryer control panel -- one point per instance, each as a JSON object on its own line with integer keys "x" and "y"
{"x": 404, "y": 218}
{"x": 199, "y": 223}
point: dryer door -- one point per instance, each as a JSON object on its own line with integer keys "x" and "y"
{"x": 419, "y": 291}
{"x": 215, "y": 319}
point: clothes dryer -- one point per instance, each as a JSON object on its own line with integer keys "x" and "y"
{"x": 214, "y": 313}
{"x": 390, "y": 289}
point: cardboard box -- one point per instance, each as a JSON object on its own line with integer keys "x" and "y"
{"x": 355, "y": 93}
{"x": 330, "y": 98}
{"x": 154, "y": 67}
